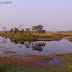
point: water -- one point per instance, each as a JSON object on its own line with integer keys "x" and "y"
{"x": 13, "y": 47}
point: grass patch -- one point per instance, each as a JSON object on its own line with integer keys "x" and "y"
{"x": 26, "y": 36}
{"x": 16, "y": 68}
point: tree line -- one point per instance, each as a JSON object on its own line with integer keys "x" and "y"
{"x": 35, "y": 29}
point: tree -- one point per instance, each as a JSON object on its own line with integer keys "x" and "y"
{"x": 37, "y": 28}
{"x": 27, "y": 30}
{"x": 34, "y": 28}
{"x": 12, "y": 30}
{"x": 16, "y": 30}
{"x": 40, "y": 27}
{"x": 43, "y": 31}
{"x": 22, "y": 30}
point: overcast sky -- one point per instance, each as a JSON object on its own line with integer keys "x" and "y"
{"x": 54, "y": 15}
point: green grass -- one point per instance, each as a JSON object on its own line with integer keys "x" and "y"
{"x": 17, "y": 68}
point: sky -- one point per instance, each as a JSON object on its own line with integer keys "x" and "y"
{"x": 54, "y": 15}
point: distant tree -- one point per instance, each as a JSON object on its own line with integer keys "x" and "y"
{"x": 12, "y": 30}
{"x": 27, "y": 30}
{"x": 43, "y": 31}
{"x": 40, "y": 31}
{"x": 16, "y": 30}
{"x": 34, "y": 28}
{"x": 22, "y": 30}
{"x": 40, "y": 27}
{"x": 37, "y": 28}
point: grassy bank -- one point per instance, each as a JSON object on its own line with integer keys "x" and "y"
{"x": 27, "y": 36}
{"x": 69, "y": 38}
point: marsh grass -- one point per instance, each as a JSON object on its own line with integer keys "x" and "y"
{"x": 27, "y": 36}
{"x": 16, "y": 68}
{"x": 66, "y": 67}
{"x": 69, "y": 38}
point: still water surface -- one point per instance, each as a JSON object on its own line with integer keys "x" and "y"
{"x": 12, "y": 47}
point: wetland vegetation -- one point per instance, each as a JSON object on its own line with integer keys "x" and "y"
{"x": 32, "y": 64}
{"x": 35, "y": 51}
{"x": 37, "y": 34}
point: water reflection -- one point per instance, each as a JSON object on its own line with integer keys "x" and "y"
{"x": 38, "y": 46}
{"x": 13, "y": 41}
{"x": 4, "y": 40}
{"x": 28, "y": 44}
{"x": 20, "y": 45}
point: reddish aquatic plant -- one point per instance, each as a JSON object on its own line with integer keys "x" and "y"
{"x": 30, "y": 60}
{"x": 7, "y": 60}
{"x": 8, "y": 52}
{"x": 63, "y": 61}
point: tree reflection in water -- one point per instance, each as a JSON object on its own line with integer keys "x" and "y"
{"x": 14, "y": 41}
{"x": 28, "y": 44}
{"x": 38, "y": 46}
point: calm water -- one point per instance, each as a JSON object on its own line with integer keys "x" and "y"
{"x": 13, "y": 47}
